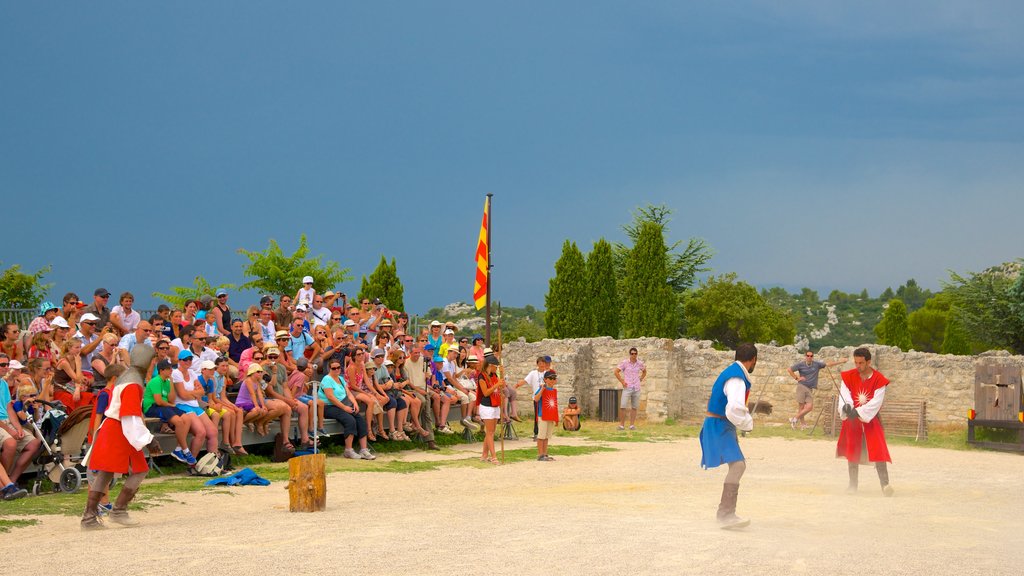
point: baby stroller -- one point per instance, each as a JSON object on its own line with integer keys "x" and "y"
{"x": 51, "y": 460}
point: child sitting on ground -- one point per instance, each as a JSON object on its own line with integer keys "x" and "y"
{"x": 571, "y": 416}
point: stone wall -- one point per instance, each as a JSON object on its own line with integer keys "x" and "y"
{"x": 680, "y": 374}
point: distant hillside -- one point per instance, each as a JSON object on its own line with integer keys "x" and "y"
{"x": 526, "y": 322}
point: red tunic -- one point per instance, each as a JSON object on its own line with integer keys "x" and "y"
{"x": 856, "y": 435}
{"x": 112, "y": 451}
{"x": 548, "y": 404}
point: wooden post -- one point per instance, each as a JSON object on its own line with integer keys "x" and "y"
{"x": 307, "y": 484}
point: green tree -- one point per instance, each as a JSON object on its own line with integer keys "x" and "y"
{"x": 604, "y": 294}
{"x": 955, "y": 339}
{"x": 729, "y": 312}
{"x": 928, "y": 324}
{"x": 912, "y": 295}
{"x": 989, "y": 305}
{"x": 887, "y": 295}
{"x": 567, "y": 301}
{"x": 649, "y": 305}
{"x": 21, "y": 290}
{"x": 181, "y": 294}
{"x": 893, "y": 329}
{"x": 385, "y": 284}
{"x": 273, "y": 272}
{"x": 524, "y": 328}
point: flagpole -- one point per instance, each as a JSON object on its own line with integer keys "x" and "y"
{"x": 487, "y": 326}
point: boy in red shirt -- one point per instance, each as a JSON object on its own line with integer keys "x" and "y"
{"x": 547, "y": 397}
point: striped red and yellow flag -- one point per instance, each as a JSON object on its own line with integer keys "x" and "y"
{"x": 482, "y": 269}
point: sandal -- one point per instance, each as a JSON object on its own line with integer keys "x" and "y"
{"x": 494, "y": 461}
{"x": 239, "y": 451}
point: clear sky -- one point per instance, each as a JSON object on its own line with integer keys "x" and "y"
{"x": 820, "y": 143}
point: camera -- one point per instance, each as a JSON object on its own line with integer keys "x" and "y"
{"x": 266, "y": 377}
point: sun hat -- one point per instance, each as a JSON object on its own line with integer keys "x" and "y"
{"x": 253, "y": 368}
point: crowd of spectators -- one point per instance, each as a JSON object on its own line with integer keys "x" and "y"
{"x": 304, "y": 358}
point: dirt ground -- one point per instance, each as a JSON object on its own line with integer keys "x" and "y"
{"x": 646, "y": 508}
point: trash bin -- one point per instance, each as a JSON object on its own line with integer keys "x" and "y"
{"x": 608, "y": 404}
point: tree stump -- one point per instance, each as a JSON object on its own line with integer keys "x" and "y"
{"x": 307, "y": 484}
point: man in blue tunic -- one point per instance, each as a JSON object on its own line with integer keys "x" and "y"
{"x": 727, "y": 411}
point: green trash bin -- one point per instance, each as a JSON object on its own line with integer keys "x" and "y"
{"x": 608, "y": 404}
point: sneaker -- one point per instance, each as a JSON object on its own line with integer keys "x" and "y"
{"x": 366, "y": 455}
{"x": 887, "y": 490}
{"x": 351, "y": 454}
{"x": 469, "y": 425}
{"x": 621, "y": 427}
{"x": 540, "y": 458}
{"x": 179, "y": 455}
{"x": 446, "y": 430}
{"x": 632, "y": 427}
{"x": 322, "y": 433}
{"x": 548, "y": 458}
{"x": 189, "y": 458}
{"x": 12, "y": 492}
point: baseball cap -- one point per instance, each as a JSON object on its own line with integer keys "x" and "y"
{"x": 377, "y": 353}
{"x": 163, "y": 365}
{"x": 551, "y": 374}
{"x": 59, "y": 322}
{"x": 572, "y": 399}
{"x": 307, "y": 279}
{"x": 477, "y": 337}
{"x": 89, "y": 317}
{"x": 185, "y": 355}
{"x": 253, "y": 368}
{"x": 350, "y": 322}
{"x": 208, "y": 365}
{"x": 222, "y": 292}
{"x": 300, "y": 308}
{"x": 273, "y": 350}
{"x": 301, "y": 363}
{"x": 389, "y": 363}
{"x": 103, "y": 292}
{"x": 429, "y": 348}
{"x": 266, "y": 299}
{"x": 15, "y": 365}
{"x": 449, "y": 331}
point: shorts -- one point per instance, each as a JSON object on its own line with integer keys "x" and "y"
{"x": 305, "y": 398}
{"x": 803, "y": 394}
{"x": 630, "y": 399}
{"x": 189, "y": 409}
{"x": 28, "y": 437}
{"x": 489, "y": 412}
{"x": 462, "y": 396}
{"x": 545, "y": 429}
{"x": 164, "y": 413}
{"x": 212, "y": 412}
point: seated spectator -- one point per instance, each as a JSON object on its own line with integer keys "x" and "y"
{"x": 47, "y": 312}
{"x": 70, "y": 386}
{"x": 109, "y": 355}
{"x": 571, "y": 416}
{"x": 188, "y": 317}
{"x": 341, "y": 407}
{"x": 299, "y": 388}
{"x": 159, "y": 401}
{"x": 362, "y": 389}
{"x": 123, "y": 316}
{"x": 41, "y": 345}
{"x": 221, "y": 416}
{"x": 280, "y": 403}
{"x": 395, "y": 405}
{"x": 453, "y": 381}
{"x": 403, "y": 385}
{"x": 189, "y": 393}
{"x": 17, "y": 445}
{"x": 441, "y": 398}
{"x": 12, "y": 345}
{"x": 238, "y": 342}
{"x": 250, "y": 395}
{"x": 222, "y": 379}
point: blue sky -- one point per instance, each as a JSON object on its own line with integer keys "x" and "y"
{"x": 822, "y": 144}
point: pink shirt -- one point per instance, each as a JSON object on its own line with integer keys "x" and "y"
{"x": 631, "y": 372}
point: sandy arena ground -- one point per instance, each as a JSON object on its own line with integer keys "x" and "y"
{"x": 645, "y": 509}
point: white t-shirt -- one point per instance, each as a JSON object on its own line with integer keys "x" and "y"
{"x": 130, "y": 321}
{"x": 306, "y": 296}
{"x": 178, "y": 376}
{"x": 267, "y": 331}
{"x": 449, "y": 368}
{"x": 535, "y": 379}
{"x": 323, "y": 315}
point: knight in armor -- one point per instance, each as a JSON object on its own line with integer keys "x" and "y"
{"x": 727, "y": 412}
{"x": 117, "y": 448}
{"x": 862, "y": 437}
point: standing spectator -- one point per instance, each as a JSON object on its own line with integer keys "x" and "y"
{"x": 306, "y": 293}
{"x": 17, "y": 446}
{"x": 99, "y": 308}
{"x": 535, "y": 379}
{"x": 806, "y": 375}
{"x": 488, "y": 387}
{"x": 631, "y": 374}
{"x": 547, "y": 399}
{"x": 221, "y": 313}
{"x": 123, "y": 316}
{"x": 47, "y": 312}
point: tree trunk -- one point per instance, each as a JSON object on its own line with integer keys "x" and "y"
{"x": 307, "y": 484}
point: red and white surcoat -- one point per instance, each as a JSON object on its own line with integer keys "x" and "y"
{"x": 863, "y": 440}
{"x": 123, "y": 434}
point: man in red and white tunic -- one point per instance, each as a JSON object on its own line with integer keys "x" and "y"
{"x": 862, "y": 438}
{"x": 119, "y": 442}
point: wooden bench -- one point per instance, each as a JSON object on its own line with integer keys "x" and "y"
{"x": 899, "y": 418}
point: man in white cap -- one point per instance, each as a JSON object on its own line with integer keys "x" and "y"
{"x": 467, "y": 398}
{"x": 87, "y": 333}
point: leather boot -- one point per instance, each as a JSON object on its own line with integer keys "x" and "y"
{"x": 854, "y": 471}
{"x": 431, "y": 445}
{"x": 90, "y": 521}
{"x": 727, "y": 517}
{"x": 883, "y": 478}
{"x": 120, "y": 512}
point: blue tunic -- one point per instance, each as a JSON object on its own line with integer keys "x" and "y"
{"x": 718, "y": 441}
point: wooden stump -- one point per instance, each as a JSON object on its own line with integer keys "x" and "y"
{"x": 307, "y": 484}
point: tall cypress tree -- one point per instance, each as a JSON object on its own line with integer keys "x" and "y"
{"x": 385, "y": 284}
{"x": 648, "y": 303}
{"x": 604, "y": 294}
{"x": 955, "y": 339}
{"x": 895, "y": 330}
{"x": 567, "y": 300}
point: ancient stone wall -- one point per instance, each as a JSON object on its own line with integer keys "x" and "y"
{"x": 680, "y": 374}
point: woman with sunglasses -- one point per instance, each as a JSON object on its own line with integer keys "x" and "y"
{"x": 403, "y": 384}
{"x": 334, "y": 392}
{"x": 359, "y": 383}
{"x": 188, "y": 395}
{"x": 488, "y": 390}
{"x": 70, "y": 384}
{"x": 250, "y": 395}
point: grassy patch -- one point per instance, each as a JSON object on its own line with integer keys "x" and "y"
{"x": 6, "y": 525}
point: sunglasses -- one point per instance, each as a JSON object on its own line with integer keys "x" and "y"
{"x": 5, "y": 364}
{"x": 280, "y": 339}
{"x": 163, "y": 347}
{"x": 336, "y": 318}
{"x": 335, "y": 367}
{"x": 273, "y": 356}
{"x": 90, "y": 323}
{"x": 257, "y": 357}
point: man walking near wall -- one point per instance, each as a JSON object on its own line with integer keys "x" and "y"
{"x": 806, "y": 375}
{"x": 631, "y": 372}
